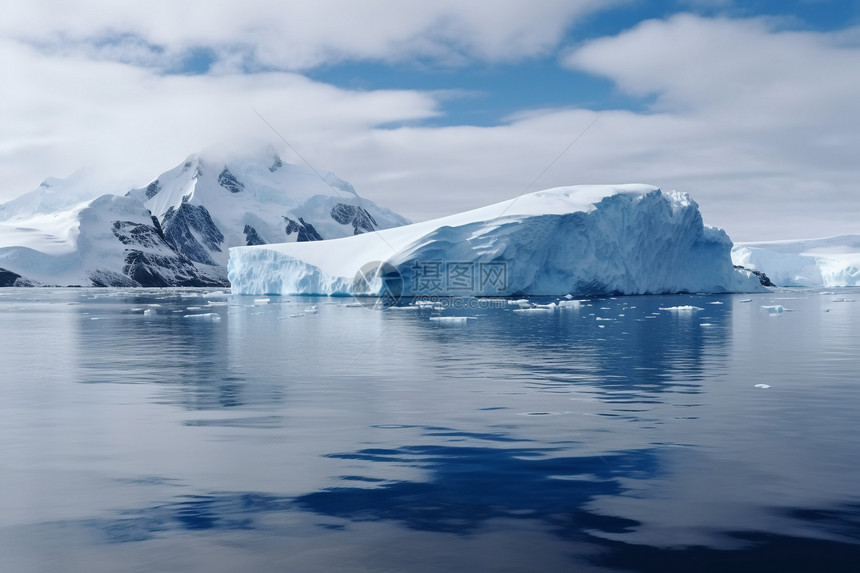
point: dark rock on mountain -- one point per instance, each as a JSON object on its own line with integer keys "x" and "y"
{"x": 358, "y": 217}
{"x": 8, "y": 278}
{"x": 306, "y": 231}
{"x": 277, "y": 164}
{"x": 229, "y": 182}
{"x": 153, "y": 263}
{"x": 252, "y": 237}
{"x": 184, "y": 225}
{"x": 152, "y": 189}
{"x": 154, "y": 270}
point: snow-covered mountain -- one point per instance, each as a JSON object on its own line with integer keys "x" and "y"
{"x": 208, "y": 205}
{"x": 178, "y": 229}
{"x": 826, "y": 262}
{"x": 630, "y": 239}
{"x": 107, "y": 241}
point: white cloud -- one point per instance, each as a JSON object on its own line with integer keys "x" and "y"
{"x": 761, "y": 126}
{"x": 301, "y": 33}
{"x": 63, "y": 112}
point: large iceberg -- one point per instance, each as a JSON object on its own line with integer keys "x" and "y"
{"x": 597, "y": 239}
{"x": 826, "y": 262}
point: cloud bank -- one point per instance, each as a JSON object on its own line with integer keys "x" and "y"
{"x": 759, "y": 123}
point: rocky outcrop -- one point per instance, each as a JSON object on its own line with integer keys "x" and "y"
{"x": 358, "y": 217}
{"x": 306, "y": 231}
{"x": 191, "y": 231}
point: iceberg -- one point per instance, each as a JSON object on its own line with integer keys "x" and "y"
{"x": 825, "y": 262}
{"x": 594, "y": 239}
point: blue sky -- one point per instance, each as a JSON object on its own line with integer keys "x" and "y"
{"x": 435, "y": 108}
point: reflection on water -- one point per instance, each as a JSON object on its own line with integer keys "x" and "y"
{"x": 306, "y": 434}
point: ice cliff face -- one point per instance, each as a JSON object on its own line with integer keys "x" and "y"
{"x": 630, "y": 239}
{"x": 175, "y": 231}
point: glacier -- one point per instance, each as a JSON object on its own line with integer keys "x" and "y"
{"x": 591, "y": 239}
{"x": 825, "y": 262}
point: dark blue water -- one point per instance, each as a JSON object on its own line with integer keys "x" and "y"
{"x": 306, "y": 435}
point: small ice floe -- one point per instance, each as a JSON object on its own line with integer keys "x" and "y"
{"x": 762, "y": 385}
{"x": 842, "y": 300}
{"x": 522, "y": 303}
{"x": 217, "y": 294}
{"x": 706, "y": 324}
{"x": 261, "y": 301}
{"x": 313, "y": 309}
{"x": 569, "y": 304}
{"x": 745, "y": 300}
{"x": 209, "y": 316}
{"x": 682, "y": 309}
{"x": 452, "y": 320}
{"x": 602, "y": 318}
{"x": 773, "y": 308}
{"x": 217, "y": 303}
{"x": 534, "y": 310}
{"x": 550, "y": 306}
{"x": 716, "y": 302}
{"x": 189, "y": 295}
{"x": 193, "y": 308}
{"x": 568, "y": 296}
{"x": 150, "y": 312}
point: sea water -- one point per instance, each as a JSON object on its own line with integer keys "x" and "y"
{"x": 186, "y": 430}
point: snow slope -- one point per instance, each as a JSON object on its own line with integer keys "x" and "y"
{"x": 631, "y": 239}
{"x": 209, "y": 203}
{"x": 826, "y": 262}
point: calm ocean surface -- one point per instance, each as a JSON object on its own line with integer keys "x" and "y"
{"x": 307, "y": 435}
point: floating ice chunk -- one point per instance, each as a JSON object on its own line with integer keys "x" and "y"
{"x": 685, "y": 308}
{"x": 213, "y": 316}
{"x": 217, "y": 303}
{"x": 706, "y": 324}
{"x": 193, "y": 307}
{"x": 550, "y": 306}
{"x": 773, "y": 308}
{"x": 149, "y": 312}
{"x": 313, "y": 309}
{"x": 569, "y": 304}
{"x": 452, "y": 319}
{"x": 533, "y": 310}
{"x": 261, "y": 301}
{"x": 715, "y": 302}
{"x": 568, "y": 296}
{"x": 762, "y": 385}
{"x": 745, "y": 300}
{"x": 217, "y": 294}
